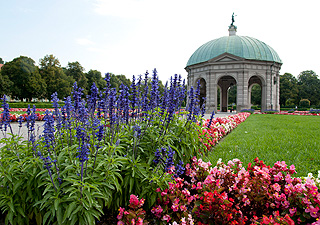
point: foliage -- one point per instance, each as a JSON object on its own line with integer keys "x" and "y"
{"x": 94, "y": 154}
{"x": 76, "y": 71}
{"x": 25, "y": 78}
{"x": 288, "y": 89}
{"x": 290, "y": 102}
{"x": 54, "y": 76}
{"x": 304, "y": 103}
{"x": 5, "y": 84}
{"x": 256, "y": 94}
{"x": 309, "y": 86}
{"x": 1, "y": 61}
{"x": 94, "y": 76}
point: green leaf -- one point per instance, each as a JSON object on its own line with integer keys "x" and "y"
{"x": 59, "y": 215}
{"x": 56, "y": 203}
{"x": 46, "y": 216}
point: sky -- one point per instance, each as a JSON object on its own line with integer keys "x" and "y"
{"x": 132, "y": 36}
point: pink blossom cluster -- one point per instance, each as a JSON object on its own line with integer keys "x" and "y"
{"x": 232, "y": 194}
{"x": 220, "y": 127}
{"x": 135, "y": 215}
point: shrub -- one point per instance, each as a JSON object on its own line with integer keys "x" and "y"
{"x": 290, "y": 103}
{"x": 270, "y": 111}
{"x": 248, "y": 110}
{"x": 305, "y": 103}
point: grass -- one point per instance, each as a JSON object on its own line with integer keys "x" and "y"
{"x": 271, "y": 138}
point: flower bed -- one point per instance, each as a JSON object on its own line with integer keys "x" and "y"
{"x": 215, "y": 129}
{"x": 299, "y": 113}
{"x": 232, "y": 194}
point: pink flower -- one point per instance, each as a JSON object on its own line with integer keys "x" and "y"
{"x": 120, "y": 223}
{"x": 276, "y": 187}
{"x": 183, "y": 208}
{"x": 313, "y": 211}
{"x": 121, "y": 210}
{"x": 292, "y": 211}
{"x": 140, "y": 221}
{"x": 166, "y": 218}
{"x": 175, "y": 205}
{"x": 292, "y": 169}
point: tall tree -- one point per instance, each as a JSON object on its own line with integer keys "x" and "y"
{"x": 1, "y": 61}
{"x": 94, "y": 76}
{"x": 309, "y": 87}
{"x": 25, "y": 77}
{"x": 55, "y": 78}
{"x": 5, "y": 84}
{"x": 117, "y": 80}
{"x": 288, "y": 89}
{"x": 76, "y": 71}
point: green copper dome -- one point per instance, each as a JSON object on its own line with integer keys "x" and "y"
{"x": 242, "y": 46}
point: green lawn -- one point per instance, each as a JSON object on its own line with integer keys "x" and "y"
{"x": 293, "y": 139}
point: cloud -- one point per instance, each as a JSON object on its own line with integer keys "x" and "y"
{"x": 84, "y": 41}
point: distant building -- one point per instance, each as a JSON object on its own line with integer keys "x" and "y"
{"x": 235, "y": 60}
{"x": 1, "y": 65}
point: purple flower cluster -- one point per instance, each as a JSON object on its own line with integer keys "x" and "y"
{"x": 5, "y": 115}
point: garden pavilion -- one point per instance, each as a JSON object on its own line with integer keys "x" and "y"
{"x": 235, "y": 60}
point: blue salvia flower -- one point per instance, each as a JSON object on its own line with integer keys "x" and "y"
{"x": 82, "y": 114}
{"x": 133, "y": 96}
{"x": 48, "y": 132}
{"x": 5, "y": 115}
{"x": 100, "y": 105}
{"x": 169, "y": 160}
{"x": 203, "y": 107}
{"x": 164, "y": 99}
{"x": 83, "y": 148}
{"x": 20, "y": 120}
{"x": 158, "y": 156}
{"x": 57, "y": 114}
{"x": 92, "y": 100}
{"x": 179, "y": 169}
{"x": 137, "y": 131}
{"x": 47, "y": 165}
{"x": 100, "y": 133}
{"x": 112, "y": 105}
{"x": 145, "y": 101}
{"x": 154, "y": 94}
{"x": 106, "y": 94}
{"x": 55, "y": 100}
{"x": 31, "y": 130}
{"x": 211, "y": 119}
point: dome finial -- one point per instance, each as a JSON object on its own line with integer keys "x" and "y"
{"x": 232, "y": 28}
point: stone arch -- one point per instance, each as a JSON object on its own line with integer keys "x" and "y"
{"x": 225, "y": 82}
{"x": 203, "y": 90}
{"x": 257, "y": 79}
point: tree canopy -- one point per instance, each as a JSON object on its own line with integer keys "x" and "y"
{"x": 25, "y": 77}
{"x": 55, "y": 78}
